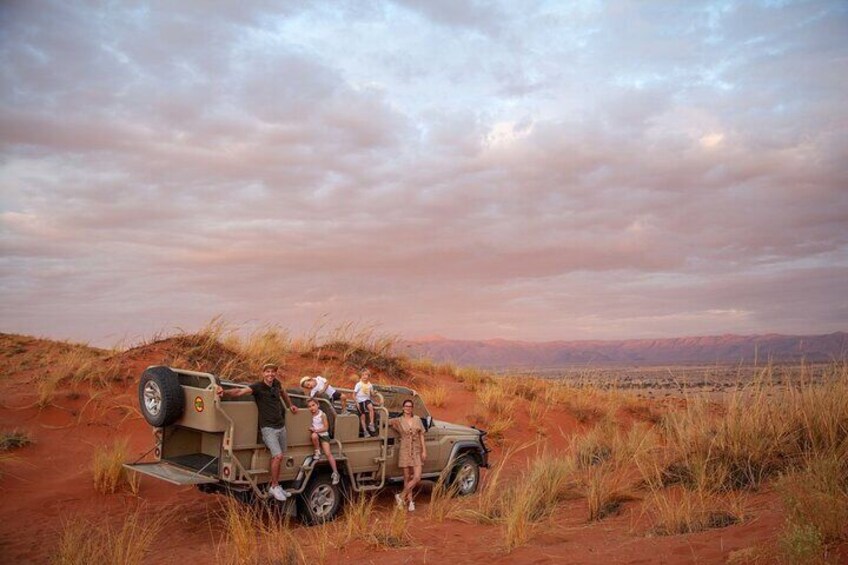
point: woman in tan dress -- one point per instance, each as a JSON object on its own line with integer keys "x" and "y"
{"x": 412, "y": 452}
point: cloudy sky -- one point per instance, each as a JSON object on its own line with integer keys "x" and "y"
{"x": 531, "y": 170}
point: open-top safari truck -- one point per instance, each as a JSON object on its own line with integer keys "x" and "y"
{"x": 214, "y": 443}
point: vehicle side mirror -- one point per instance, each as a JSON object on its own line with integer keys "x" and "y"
{"x": 428, "y": 423}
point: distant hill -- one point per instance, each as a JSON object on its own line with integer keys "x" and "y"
{"x": 724, "y": 349}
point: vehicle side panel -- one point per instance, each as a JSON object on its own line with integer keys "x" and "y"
{"x": 200, "y": 413}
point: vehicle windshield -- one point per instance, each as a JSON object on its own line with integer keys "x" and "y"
{"x": 393, "y": 400}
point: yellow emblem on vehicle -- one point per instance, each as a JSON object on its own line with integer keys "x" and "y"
{"x": 198, "y": 404}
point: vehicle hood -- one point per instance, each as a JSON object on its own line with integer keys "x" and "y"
{"x": 448, "y": 428}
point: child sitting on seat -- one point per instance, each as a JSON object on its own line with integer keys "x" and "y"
{"x": 321, "y": 436}
{"x": 364, "y": 391}
{"x": 320, "y": 385}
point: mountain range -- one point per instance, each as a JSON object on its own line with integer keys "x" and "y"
{"x": 723, "y": 349}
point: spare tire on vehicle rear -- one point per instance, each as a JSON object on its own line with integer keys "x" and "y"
{"x": 160, "y": 396}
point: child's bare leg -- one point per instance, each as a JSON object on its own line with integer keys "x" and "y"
{"x": 315, "y": 440}
{"x": 329, "y": 454}
{"x": 371, "y": 412}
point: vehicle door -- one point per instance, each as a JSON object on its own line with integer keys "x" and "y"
{"x": 431, "y": 437}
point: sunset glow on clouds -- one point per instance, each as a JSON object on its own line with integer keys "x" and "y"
{"x": 532, "y": 170}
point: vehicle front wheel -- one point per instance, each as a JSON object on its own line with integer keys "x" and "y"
{"x": 466, "y": 475}
{"x": 321, "y": 501}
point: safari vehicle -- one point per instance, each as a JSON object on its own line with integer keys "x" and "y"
{"x": 214, "y": 443}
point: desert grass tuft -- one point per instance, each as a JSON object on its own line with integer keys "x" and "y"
{"x": 496, "y": 399}
{"x": 760, "y": 432}
{"x": 108, "y": 467}
{"x": 45, "y": 390}
{"x": 605, "y": 488}
{"x": 255, "y": 534}
{"x": 472, "y": 377}
{"x": 391, "y": 531}
{"x": 14, "y": 439}
{"x": 521, "y": 504}
{"x": 436, "y": 396}
{"x": 487, "y": 506}
{"x": 538, "y": 412}
{"x": 442, "y": 499}
{"x": 82, "y": 542}
{"x": 358, "y": 513}
{"x": 681, "y": 511}
{"x": 319, "y": 540}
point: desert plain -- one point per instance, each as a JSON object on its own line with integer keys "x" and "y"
{"x": 586, "y": 469}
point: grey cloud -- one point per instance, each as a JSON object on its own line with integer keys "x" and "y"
{"x": 160, "y": 171}
{"x": 470, "y": 14}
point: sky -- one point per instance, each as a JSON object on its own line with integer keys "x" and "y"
{"x": 523, "y": 170}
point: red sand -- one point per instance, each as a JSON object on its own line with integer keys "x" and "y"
{"x": 50, "y": 482}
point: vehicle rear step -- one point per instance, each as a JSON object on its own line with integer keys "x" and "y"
{"x": 172, "y": 473}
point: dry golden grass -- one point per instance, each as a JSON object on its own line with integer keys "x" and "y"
{"x": 431, "y": 368}
{"x": 496, "y": 399}
{"x": 606, "y": 487}
{"x": 760, "y": 432}
{"x": 45, "y": 390}
{"x": 522, "y": 503}
{"x": 108, "y": 467}
{"x": 263, "y": 345}
{"x": 495, "y": 426}
{"x": 681, "y": 511}
{"x": 538, "y": 413}
{"x": 608, "y": 441}
{"x": 517, "y": 516}
{"x": 358, "y": 513}
{"x": 83, "y": 542}
{"x": 486, "y": 506}
{"x": 391, "y": 531}
{"x": 534, "y": 496}
{"x": 585, "y": 403}
{"x": 320, "y": 540}
{"x": 472, "y": 377}
{"x": 443, "y": 501}
{"x": 436, "y": 396}
{"x": 252, "y": 534}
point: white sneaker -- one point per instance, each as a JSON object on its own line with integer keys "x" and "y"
{"x": 399, "y": 500}
{"x": 372, "y": 429}
{"x": 411, "y": 506}
{"x": 278, "y": 493}
{"x": 335, "y": 478}
{"x": 316, "y": 455}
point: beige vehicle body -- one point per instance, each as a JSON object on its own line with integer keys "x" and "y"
{"x": 214, "y": 443}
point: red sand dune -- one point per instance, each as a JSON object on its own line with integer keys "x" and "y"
{"x": 50, "y": 482}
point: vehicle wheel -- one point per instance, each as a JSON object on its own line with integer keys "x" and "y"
{"x": 466, "y": 475}
{"x": 321, "y": 501}
{"x": 160, "y": 396}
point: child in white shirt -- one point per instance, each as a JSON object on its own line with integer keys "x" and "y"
{"x": 364, "y": 391}
{"x": 321, "y": 436}
{"x": 320, "y": 385}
